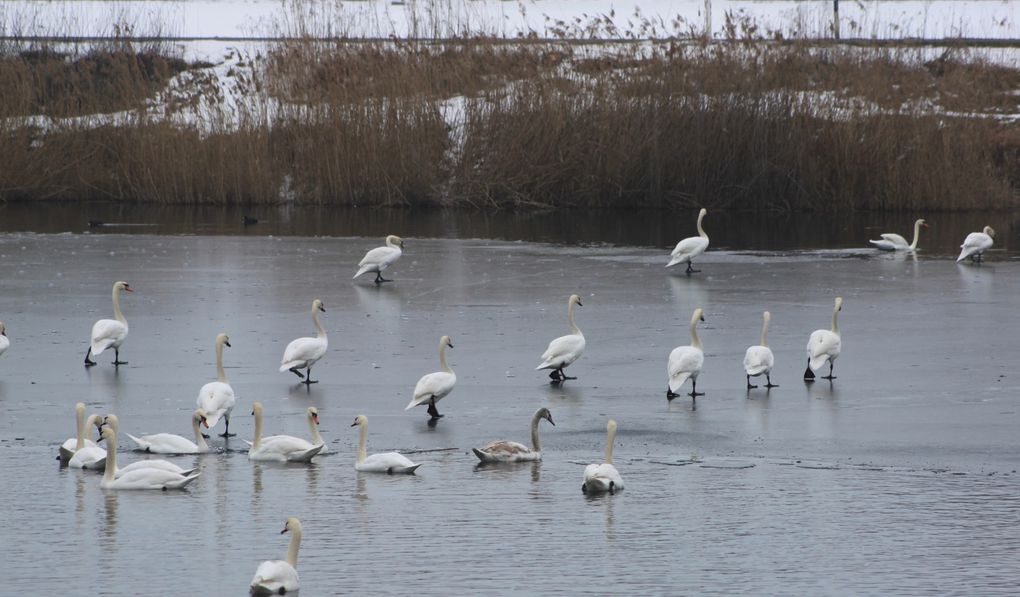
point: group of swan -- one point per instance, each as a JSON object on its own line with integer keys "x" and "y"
{"x": 380, "y": 258}
{"x": 685, "y": 362}
{"x": 280, "y": 448}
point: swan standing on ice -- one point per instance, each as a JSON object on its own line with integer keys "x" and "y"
{"x": 278, "y": 577}
{"x": 5, "y": 342}
{"x": 168, "y": 443}
{"x": 894, "y": 242}
{"x": 110, "y": 333}
{"x": 279, "y": 448}
{"x": 566, "y": 349}
{"x": 685, "y": 362}
{"x": 431, "y": 388}
{"x": 599, "y": 478}
{"x": 976, "y": 244}
{"x": 302, "y": 353}
{"x": 387, "y": 462}
{"x": 90, "y": 457}
{"x": 113, "y": 422}
{"x": 758, "y": 360}
{"x": 216, "y": 398}
{"x": 141, "y": 478}
{"x": 689, "y": 248}
{"x": 381, "y": 258}
{"x": 507, "y": 451}
{"x": 79, "y": 441}
{"x": 824, "y": 345}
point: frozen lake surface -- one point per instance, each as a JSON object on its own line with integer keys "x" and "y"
{"x": 897, "y": 478}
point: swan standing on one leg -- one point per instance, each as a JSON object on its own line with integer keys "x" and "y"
{"x": 141, "y": 478}
{"x": 216, "y": 398}
{"x": 279, "y": 448}
{"x": 302, "y": 353}
{"x": 278, "y": 577}
{"x": 169, "y": 443}
{"x": 689, "y": 248}
{"x": 113, "y": 422}
{"x": 976, "y": 244}
{"x": 90, "y": 457}
{"x": 5, "y": 342}
{"x": 79, "y": 441}
{"x": 599, "y": 478}
{"x": 110, "y": 333}
{"x": 566, "y": 349}
{"x": 685, "y": 362}
{"x": 894, "y": 242}
{"x": 381, "y": 258}
{"x": 507, "y": 451}
{"x": 431, "y": 388}
{"x": 758, "y": 360}
{"x": 387, "y": 462}
{"x": 824, "y": 345}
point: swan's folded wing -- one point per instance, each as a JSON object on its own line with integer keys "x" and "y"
{"x": 302, "y": 350}
{"x": 438, "y": 384}
{"x": 563, "y": 350}
{"x": 757, "y": 360}
{"x": 105, "y": 332}
{"x": 273, "y": 575}
{"x": 894, "y": 238}
{"x": 378, "y": 256}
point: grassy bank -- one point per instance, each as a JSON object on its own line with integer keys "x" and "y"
{"x": 745, "y": 124}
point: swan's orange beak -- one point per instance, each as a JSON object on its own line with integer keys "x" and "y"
{"x": 925, "y": 226}
{"x": 205, "y": 422}
{"x": 285, "y": 529}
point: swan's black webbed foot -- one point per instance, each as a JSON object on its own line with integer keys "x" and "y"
{"x": 670, "y": 394}
{"x": 118, "y": 363}
{"x": 296, "y": 372}
{"x": 829, "y": 377}
{"x": 809, "y": 375}
{"x": 433, "y": 411}
{"x": 379, "y": 279}
{"x": 89, "y": 362}
{"x": 690, "y": 269}
{"x": 696, "y": 394}
{"x": 749, "y": 385}
{"x": 565, "y": 378}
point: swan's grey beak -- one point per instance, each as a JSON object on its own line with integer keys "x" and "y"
{"x": 702, "y": 318}
{"x": 551, "y": 421}
{"x": 354, "y": 424}
{"x": 579, "y": 303}
{"x": 322, "y": 308}
{"x": 284, "y": 530}
{"x": 227, "y": 343}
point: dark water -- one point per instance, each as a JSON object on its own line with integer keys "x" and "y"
{"x": 897, "y": 478}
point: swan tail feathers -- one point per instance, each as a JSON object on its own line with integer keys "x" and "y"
{"x": 677, "y": 381}
{"x": 141, "y": 443}
{"x": 248, "y": 442}
{"x": 305, "y": 456}
{"x": 362, "y": 270}
{"x": 183, "y": 482}
{"x": 407, "y": 470}
{"x": 211, "y": 420}
{"x": 416, "y": 402}
{"x": 483, "y": 456}
{"x": 818, "y": 361}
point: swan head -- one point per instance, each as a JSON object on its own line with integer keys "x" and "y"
{"x": 256, "y": 409}
{"x": 990, "y": 231}
{"x": 920, "y": 222}
{"x": 108, "y": 434}
{"x": 95, "y": 420}
{"x": 446, "y": 341}
{"x": 359, "y": 420}
{"x": 611, "y": 426}
{"x": 543, "y": 413}
{"x": 122, "y": 286}
{"x": 108, "y": 421}
{"x": 318, "y": 306}
{"x": 223, "y": 339}
{"x": 702, "y": 212}
{"x": 313, "y": 414}
{"x": 293, "y": 525}
{"x": 839, "y": 303}
{"x": 766, "y": 316}
{"x": 79, "y": 409}
{"x": 699, "y": 315}
{"x": 394, "y": 240}
{"x": 575, "y": 299}
{"x": 200, "y": 418}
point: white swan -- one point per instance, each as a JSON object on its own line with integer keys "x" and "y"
{"x": 168, "y": 443}
{"x": 90, "y": 457}
{"x": 507, "y": 451}
{"x": 432, "y": 387}
{"x": 894, "y": 242}
{"x": 313, "y": 429}
{"x": 216, "y": 398}
{"x": 566, "y": 349}
{"x": 758, "y": 360}
{"x": 976, "y": 244}
{"x": 387, "y": 462}
{"x": 824, "y": 345}
{"x": 690, "y": 247}
{"x": 381, "y": 258}
{"x": 164, "y": 465}
{"x": 110, "y": 333}
{"x": 685, "y": 362}
{"x": 141, "y": 478}
{"x": 604, "y": 477}
{"x": 302, "y": 353}
{"x": 5, "y": 342}
{"x": 278, "y": 577}
{"x": 73, "y": 444}
{"x": 279, "y": 448}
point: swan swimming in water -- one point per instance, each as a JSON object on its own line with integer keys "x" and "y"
{"x": 599, "y": 478}
{"x": 110, "y": 333}
{"x": 685, "y": 362}
{"x": 758, "y": 360}
{"x": 433, "y": 387}
{"x": 169, "y": 443}
{"x": 216, "y": 398}
{"x": 690, "y": 247}
{"x": 302, "y": 353}
{"x": 279, "y": 448}
{"x": 380, "y": 258}
{"x": 507, "y": 451}
{"x": 386, "y": 462}
{"x": 90, "y": 457}
{"x": 824, "y": 346}
{"x": 141, "y": 478}
{"x": 73, "y": 444}
{"x": 894, "y": 242}
{"x": 113, "y": 422}
{"x": 279, "y": 577}
{"x": 566, "y": 349}
{"x": 976, "y": 244}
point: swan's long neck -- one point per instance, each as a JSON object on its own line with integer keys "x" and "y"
{"x": 321, "y": 333}
{"x": 199, "y": 438}
{"x": 535, "y": 446}
{"x": 111, "y": 457}
{"x": 314, "y": 431}
{"x": 611, "y": 437}
{"x": 835, "y": 321}
{"x": 221, "y": 375}
{"x": 570, "y": 318}
{"x": 695, "y": 340}
{"x": 765, "y": 332}
{"x": 116, "y": 306}
{"x": 363, "y": 442}
{"x": 917, "y": 233}
{"x": 701, "y": 231}
{"x": 295, "y": 545}
{"x": 442, "y": 359}
{"x": 80, "y": 426}
{"x": 257, "y": 442}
